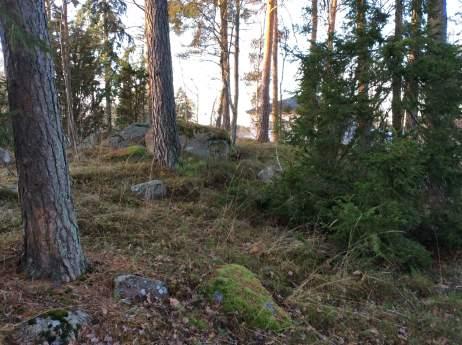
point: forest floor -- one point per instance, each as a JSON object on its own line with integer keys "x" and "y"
{"x": 331, "y": 297}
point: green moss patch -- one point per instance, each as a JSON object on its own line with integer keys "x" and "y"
{"x": 190, "y": 129}
{"x": 239, "y": 291}
{"x": 57, "y": 315}
{"x": 130, "y": 152}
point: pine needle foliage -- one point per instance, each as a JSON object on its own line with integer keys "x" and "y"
{"x": 390, "y": 197}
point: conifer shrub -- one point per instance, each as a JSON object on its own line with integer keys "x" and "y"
{"x": 387, "y": 196}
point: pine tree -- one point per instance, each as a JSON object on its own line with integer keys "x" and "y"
{"x": 275, "y": 111}
{"x": 51, "y": 235}
{"x": 264, "y": 104}
{"x": 131, "y": 94}
{"x": 105, "y": 21}
{"x": 166, "y": 145}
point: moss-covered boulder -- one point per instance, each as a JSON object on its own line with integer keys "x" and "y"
{"x": 239, "y": 291}
{"x": 57, "y": 327}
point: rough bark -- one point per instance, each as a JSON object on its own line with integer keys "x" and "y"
{"x": 314, "y": 22}
{"x": 331, "y": 23}
{"x": 160, "y": 75}
{"x": 237, "y": 28}
{"x": 65, "y": 61}
{"x": 51, "y": 239}
{"x": 264, "y": 107}
{"x": 397, "y": 80}
{"x": 412, "y": 87}
{"x": 275, "y": 104}
{"x": 224, "y": 66}
{"x": 438, "y": 20}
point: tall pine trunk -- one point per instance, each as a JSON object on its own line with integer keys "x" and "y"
{"x": 438, "y": 20}
{"x": 275, "y": 104}
{"x": 314, "y": 23}
{"x": 397, "y": 79}
{"x": 364, "y": 117}
{"x": 264, "y": 106}
{"x": 65, "y": 61}
{"x": 237, "y": 28}
{"x": 331, "y": 24}
{"x": 225, "y": 67}
{"x": 166, "y": 144}
{"x": 51, "y": 238}
{"x": 107, "y": 69}
{"x": 412, "y": 87}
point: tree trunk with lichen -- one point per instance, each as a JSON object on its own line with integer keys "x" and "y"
{"x": 51, "y": 238}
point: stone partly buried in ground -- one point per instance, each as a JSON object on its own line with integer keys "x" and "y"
{"x": 55, "y": 327}
{"x": 239, "y": 291}
{"x": 269, "y": 173}
{"x": 132, "y": 288}
{"x": 149, "y": 191}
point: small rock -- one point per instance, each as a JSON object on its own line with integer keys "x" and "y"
{"x": 55, "y": 327}
{"x": 174, "y": 302}
{"x": 6, "y": 158}
{"x": 218, "y": 297}
{"x": 132, "y": 288}
{"x": 268, "y": 173}
{"x": 152, "y": 190}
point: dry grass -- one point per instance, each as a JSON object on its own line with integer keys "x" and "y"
{"x": 183, "y": 238}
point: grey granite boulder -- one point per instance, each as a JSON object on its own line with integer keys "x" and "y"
{"x": 131, "y": 135}
{"x": 132, "y": 288}
{"x": 200, "y": 141}
{"x": 149, "y": 191}
{"x": 269, "y": 173}
{"x": 55, "y": 327}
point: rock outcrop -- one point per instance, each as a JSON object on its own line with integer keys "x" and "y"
{"x": 131, "y": 135}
